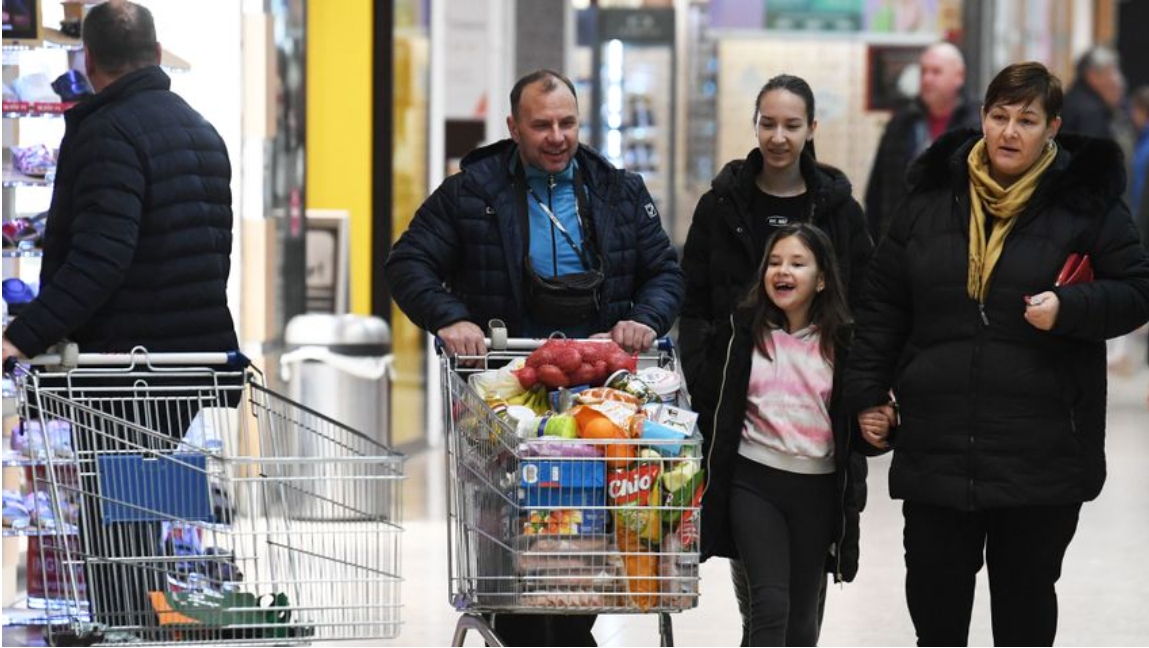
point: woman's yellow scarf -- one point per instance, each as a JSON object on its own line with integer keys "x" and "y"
{"x": 1001, "y": 203}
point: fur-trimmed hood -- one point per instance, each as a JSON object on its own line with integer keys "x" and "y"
{"x": 1088, "y": 174}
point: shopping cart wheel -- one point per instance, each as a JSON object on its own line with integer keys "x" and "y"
{"x": 665, "y": 629}
{"x": 479, "y": 624}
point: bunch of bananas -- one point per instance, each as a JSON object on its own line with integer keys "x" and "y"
{"x": 534, "y": 398}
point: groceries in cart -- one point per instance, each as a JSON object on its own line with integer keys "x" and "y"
{"x": 565, "y": 363}
{"x": 609, "y": 477}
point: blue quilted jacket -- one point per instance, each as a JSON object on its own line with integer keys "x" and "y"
{"x": 462, "y": 256}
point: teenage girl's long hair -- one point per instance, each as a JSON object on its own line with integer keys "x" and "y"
{"x": 828, "y": 311}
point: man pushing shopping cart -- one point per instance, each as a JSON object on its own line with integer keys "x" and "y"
{"x": 545, "y": 234}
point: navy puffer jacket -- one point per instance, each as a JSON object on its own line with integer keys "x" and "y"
{"x": 137, "y": 249}
{"x": 462, "y": 256}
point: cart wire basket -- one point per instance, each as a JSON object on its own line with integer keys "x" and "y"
{"x": 546, "y": 525}
{"x": 184, "y": 501}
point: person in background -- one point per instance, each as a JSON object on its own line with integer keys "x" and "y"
{"x": 778, "y": 184}
{"x": 1093, "y": 107}
{"x": 941, "y": 106}
{"x": 1139, "y": 116}
{"x": 1139, "y": 201}
{"x": 1096, "y": 94}
{"x": 137, "y": 252}
{"x": 998, "y": 373}
{"x": 779, "y": 497}
{"x": 499, "y": 239}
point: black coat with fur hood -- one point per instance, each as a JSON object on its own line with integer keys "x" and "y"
{"x": 720, "y": 259}
{"x": 994, "y": 412}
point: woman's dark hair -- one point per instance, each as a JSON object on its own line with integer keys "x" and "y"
{"x": 1022, "y": 83}
{"x": 798, "y": 86}
{"x": 828, "y": 311}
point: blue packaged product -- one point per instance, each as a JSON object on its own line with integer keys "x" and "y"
{"x": 558, "y": 483}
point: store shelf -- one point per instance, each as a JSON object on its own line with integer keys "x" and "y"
{"x": 56, "y": 39}
{"x": 20, "y": 615}
{"x": 36, "y": 532}
{"x": 36, "y": 109}
{"x": 13, "y": 178}
{"x": 53, "y": 39}
{"x": 23, "y": 253}
{"x": 13, "y": 458}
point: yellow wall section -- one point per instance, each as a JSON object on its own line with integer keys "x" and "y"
{"x": 339, "y": 115}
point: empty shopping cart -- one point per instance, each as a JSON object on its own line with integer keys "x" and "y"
{"x": 183, "y": 509}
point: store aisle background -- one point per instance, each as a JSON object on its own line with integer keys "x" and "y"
{"x": 1103, "y": 588}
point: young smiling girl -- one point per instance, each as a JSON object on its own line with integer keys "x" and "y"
{"x": 779, "y": 496}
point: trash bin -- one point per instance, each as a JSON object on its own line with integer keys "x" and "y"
{"x": 339, "y": 366}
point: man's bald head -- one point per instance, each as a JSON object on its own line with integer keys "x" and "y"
{"x": 120, "y": 36}
{"x": 943, "y": 76}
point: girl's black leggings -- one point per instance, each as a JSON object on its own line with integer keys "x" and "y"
{"x": 783, "y": 524}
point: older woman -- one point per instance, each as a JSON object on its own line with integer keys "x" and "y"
{"x": 999, "y": 374}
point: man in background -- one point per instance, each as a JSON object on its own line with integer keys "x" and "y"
{"x": 1093, "y": 107}
{"x": 1094, "y": 100}
{"x": 940, "y": 106}
{"x": 1139, "y": 199}
{"x": 137, "y": 252}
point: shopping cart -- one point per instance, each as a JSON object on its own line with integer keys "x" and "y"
{"x": 189, "y": 503}
{"x": 546, "y": 525}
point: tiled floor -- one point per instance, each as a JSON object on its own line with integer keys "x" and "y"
{"x": 1104, "y": 589}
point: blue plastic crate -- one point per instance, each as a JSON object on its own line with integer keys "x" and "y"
{"x": 153, "y": 488}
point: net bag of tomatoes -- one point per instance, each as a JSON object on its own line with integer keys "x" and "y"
{"x": 567, "y": 363}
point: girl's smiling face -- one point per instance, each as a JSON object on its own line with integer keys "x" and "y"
{"x": 793, "y": 279}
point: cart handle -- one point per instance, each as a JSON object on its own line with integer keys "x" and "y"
{"x": 522, "y": 344}
{"x": 529, "y": 344}
{"x": 70, "y": 358}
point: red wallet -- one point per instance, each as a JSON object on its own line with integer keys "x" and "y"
{"x": 1077, "y": 269}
